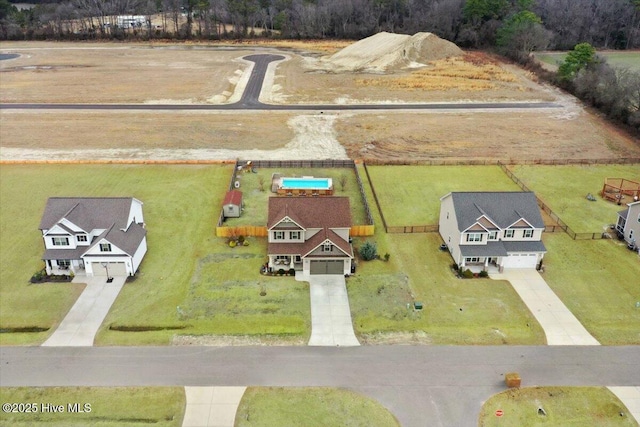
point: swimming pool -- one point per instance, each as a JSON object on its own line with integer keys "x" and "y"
{"x": 306, "y": 183}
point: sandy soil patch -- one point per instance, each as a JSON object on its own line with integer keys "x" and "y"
{"x": 483, "y": 135}
{"x": 314, "y": 137}
{"x": 131, "y": 74}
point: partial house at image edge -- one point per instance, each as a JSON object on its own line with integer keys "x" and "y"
{"x": 93, "y": 236}
{"x": 628, "y": 224}
{"x": 492, "y": 231}
{"x": 310, "y": 234}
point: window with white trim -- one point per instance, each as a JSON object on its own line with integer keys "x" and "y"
{"x": 474, "y": 237}
{"x": 60, "y": 241}
{"x": 294, "y": 235}
{"x": 508, "y": 233}
{"x": 278, "y": 235}
{"x": 493, "y": 235}
{"x": 326, "y": 247}
{"x": 81, "y": 237}
{"x": 64, "y": 263}
{"x": 527, "y": 234}
{"x": 105, "y": 247}
{"x": 472, "y": 259}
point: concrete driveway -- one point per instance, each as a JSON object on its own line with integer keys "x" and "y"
{"x": 330, "y": 313}
{"x": 80, "y": 325}
{"x": 212, "y": 406}
{"x": 560, "y": 325}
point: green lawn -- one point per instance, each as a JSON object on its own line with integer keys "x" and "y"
{"x": 598, "y": 281}
{"x": 492, "y": 312}
{"x": 309, "y": 407}
{"x": 185, "y": 270}
{"x": 564, "y": 406}
{"x": 564, "y": 189}
{"x": 256, "y": 190}
{"x": 628, "y": 59}
{"x": 109, "y": 406}
{"x": 410, "y": 195}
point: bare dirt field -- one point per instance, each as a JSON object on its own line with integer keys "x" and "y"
{"x": 137, "y": 73}
{"x": 87, "y": 73}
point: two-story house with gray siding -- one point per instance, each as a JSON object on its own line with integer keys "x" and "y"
{"x": 309, "y": 234}
{"x": 492, "y": 230}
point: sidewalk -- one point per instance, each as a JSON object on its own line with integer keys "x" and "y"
{"x": 80, "y": 325}
{"x": 212, "y": 406}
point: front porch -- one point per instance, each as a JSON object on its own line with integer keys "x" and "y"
{"x": 285, "y": 262}
{"x": 65, "y": 267}
{"x": 478, "y": 264}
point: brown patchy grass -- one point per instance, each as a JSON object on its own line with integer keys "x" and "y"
{"x": 481, "y": 135}
{"x": 130, "y": 73}
{"x": 472, "y": 72}
{"x": 474, "y": 77}
{"x": 144, "y": 130}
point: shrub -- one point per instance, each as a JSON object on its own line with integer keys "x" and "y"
{"x": 281, "y": 272}
{"x": 483, "y": 273}
{"x": 292, "y": 271}
{"x": 454, "y": 266}
{"x": 368, "y": 251}
{"x": 468, "y": 274}
{"x": 37, "y": 276}
{"x": 387, "y": 256}
{"x": 232, "y": 243}
{"x": 241, "y": 239}
{"x": 245, "y": 243}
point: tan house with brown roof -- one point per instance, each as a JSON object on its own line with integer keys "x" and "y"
{"x": 310, "y": 235}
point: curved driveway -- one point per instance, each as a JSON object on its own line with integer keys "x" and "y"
{"x": 250, "y": 100}
{"x": 420, "y": 385}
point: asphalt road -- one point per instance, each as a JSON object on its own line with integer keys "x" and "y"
{"x": 421, "y": 385}
{"x": 251, "y": 94}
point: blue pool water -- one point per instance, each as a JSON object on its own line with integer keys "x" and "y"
{"x": 306, "y": 183}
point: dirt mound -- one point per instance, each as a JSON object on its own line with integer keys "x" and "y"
{"x": 384, "y": 52}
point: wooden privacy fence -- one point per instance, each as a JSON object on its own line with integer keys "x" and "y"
{"x": 258, "y": 231}
{"x": 362, "y": 230}
{"x": 392, "y": 229}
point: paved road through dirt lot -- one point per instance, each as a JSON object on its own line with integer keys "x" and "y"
{"x": 250, "y": 101}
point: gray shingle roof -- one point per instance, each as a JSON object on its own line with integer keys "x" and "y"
{"x": 501, "y": 248}
{"x": 503, "y": 208}
{"x": 87, "y": 213}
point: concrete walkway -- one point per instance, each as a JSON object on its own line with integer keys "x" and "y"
{"x": 560, "y": 325}
{"x": 330, "y": 313}
{"x": 80, "y": 325}
{"x": 630, "y": 396}
{"x": 212, "y": 406}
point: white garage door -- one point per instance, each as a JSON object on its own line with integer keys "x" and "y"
{"x": 521, "y": 261}
{"x": 115, "y": 269}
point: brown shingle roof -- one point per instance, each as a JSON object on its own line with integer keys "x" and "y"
{"x": 311, "y": 212}
{"x": 233, "y": 197}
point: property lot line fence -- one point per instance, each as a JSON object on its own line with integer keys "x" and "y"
{"x": 561, "y": 225}
{"x": 497, "y": 162}
{"x": 258, "y": 231}
{"x": 375, "y": 198}
{"x": 407, "y": 229}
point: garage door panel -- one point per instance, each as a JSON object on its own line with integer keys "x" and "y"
{"x": 115, "y": 269}
{"x": 329, "y": 266}
{"x": 521, "y": 261}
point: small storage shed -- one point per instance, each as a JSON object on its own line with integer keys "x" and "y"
{"x": 232, "y": 205}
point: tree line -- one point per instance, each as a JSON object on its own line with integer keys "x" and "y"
{"x": 613, "y": 24}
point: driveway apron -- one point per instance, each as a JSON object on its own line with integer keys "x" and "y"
{"x": 330, "y": 313}
{"x": 212, "y": 406}
{"x": 80, "y": 325}
{"x": 560, "y": 325}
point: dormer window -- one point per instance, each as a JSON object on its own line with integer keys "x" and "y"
{"x": 105, "y": 247}
{"x": 508, "y": 233}
{"x": 326, "y": 247}
{"x": 493, "y": 235}
{"x": 527, "y": 234}
{"x": 60, "y": 241}
{"x": 474, "y": 237}
{"x": 81, "y": 237}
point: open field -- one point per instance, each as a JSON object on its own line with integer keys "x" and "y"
{"x": 109, "y": 406}
{"x": 598, "y": 281}
{"x": 132, "y": 73}
{"x": 565, "y": 406}
{"x": 555, "y": 134}
{"x": 185, "y": 267}
{"x": 410, "y": 195}
{"x": 616, "y": 58}
{"x": 564, "y": 190}
{"x": 309, "y": 406}
{"x": 144, "y": 130}
{"x": 256, "y": 200}
{"x": 301, "y": 80}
